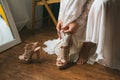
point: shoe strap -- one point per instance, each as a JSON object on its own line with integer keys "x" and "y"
{"x": 61, "y": 59}
{"x": 36, "y": 49}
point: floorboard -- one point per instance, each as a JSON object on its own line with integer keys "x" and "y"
{"x": 12, "y": 69}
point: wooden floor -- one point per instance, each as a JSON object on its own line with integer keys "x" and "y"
{"x": 12, "y": 69}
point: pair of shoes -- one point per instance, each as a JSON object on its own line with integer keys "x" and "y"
{"x": 30, "y": 50}
{"x": 63, "y": 59}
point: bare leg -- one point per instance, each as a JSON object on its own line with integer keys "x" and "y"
{"x": 85, "y": 52}
{"x": 62, "y": 59}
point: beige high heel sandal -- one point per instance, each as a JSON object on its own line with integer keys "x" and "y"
{"x": 30, "y": 50}
{"x": 62, "y": 59}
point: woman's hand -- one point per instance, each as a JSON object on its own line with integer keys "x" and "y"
{"x": 59, "y": 25}
{"x": 71, "y": 28}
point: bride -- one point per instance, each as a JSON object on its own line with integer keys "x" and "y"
{"x": 102, "y": 30}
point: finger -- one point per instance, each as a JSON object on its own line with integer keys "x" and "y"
{"x": 67, "y": 31}
{"x": 70, "y": 30}
{"x": 59, "y": 35}
{"x": 58, "y": 27}
{"x": 58, "y": 31}
{"x": 65, "y": 27}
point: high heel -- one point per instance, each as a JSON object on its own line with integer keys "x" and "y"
{"x": 30, "y": 50}
{"x": 38, "y": 55}
{"x": 62, "y": 59}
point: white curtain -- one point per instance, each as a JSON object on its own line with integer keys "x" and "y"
{"x": 22, "y": 12}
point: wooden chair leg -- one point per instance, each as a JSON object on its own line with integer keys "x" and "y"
{"x": 50, "y": 12}
{"x": 33, "y": 15}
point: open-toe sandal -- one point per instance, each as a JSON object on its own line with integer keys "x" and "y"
{"x": 62, "y": 60}
{"x": 30, "y": 50}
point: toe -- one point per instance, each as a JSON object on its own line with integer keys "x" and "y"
{"x": 81, "y": 61}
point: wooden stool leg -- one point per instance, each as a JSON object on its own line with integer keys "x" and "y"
{"x": 33, "y": 15}
{"x": 50, "y": 12}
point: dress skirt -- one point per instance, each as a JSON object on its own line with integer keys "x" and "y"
{"x": 103, "y": 28}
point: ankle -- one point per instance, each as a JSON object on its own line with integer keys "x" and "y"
{"x": 64, "y": 46}
{"x": 89, "y": 44}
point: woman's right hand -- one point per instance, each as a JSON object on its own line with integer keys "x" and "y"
{"x": 71, "y": 27}
{"x": 59, "y": 25}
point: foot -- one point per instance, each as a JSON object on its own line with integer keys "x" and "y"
{"x": 61, "y": 63}
{"x": 62, "y": 60}
{"x": 83, "y": 58}
{"x": 84, "y": 53}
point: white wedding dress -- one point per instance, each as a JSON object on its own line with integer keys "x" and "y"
{"x": 5, "y": 33}
{"x": 102, "y": 28}
{"x": 70, "y": 10}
